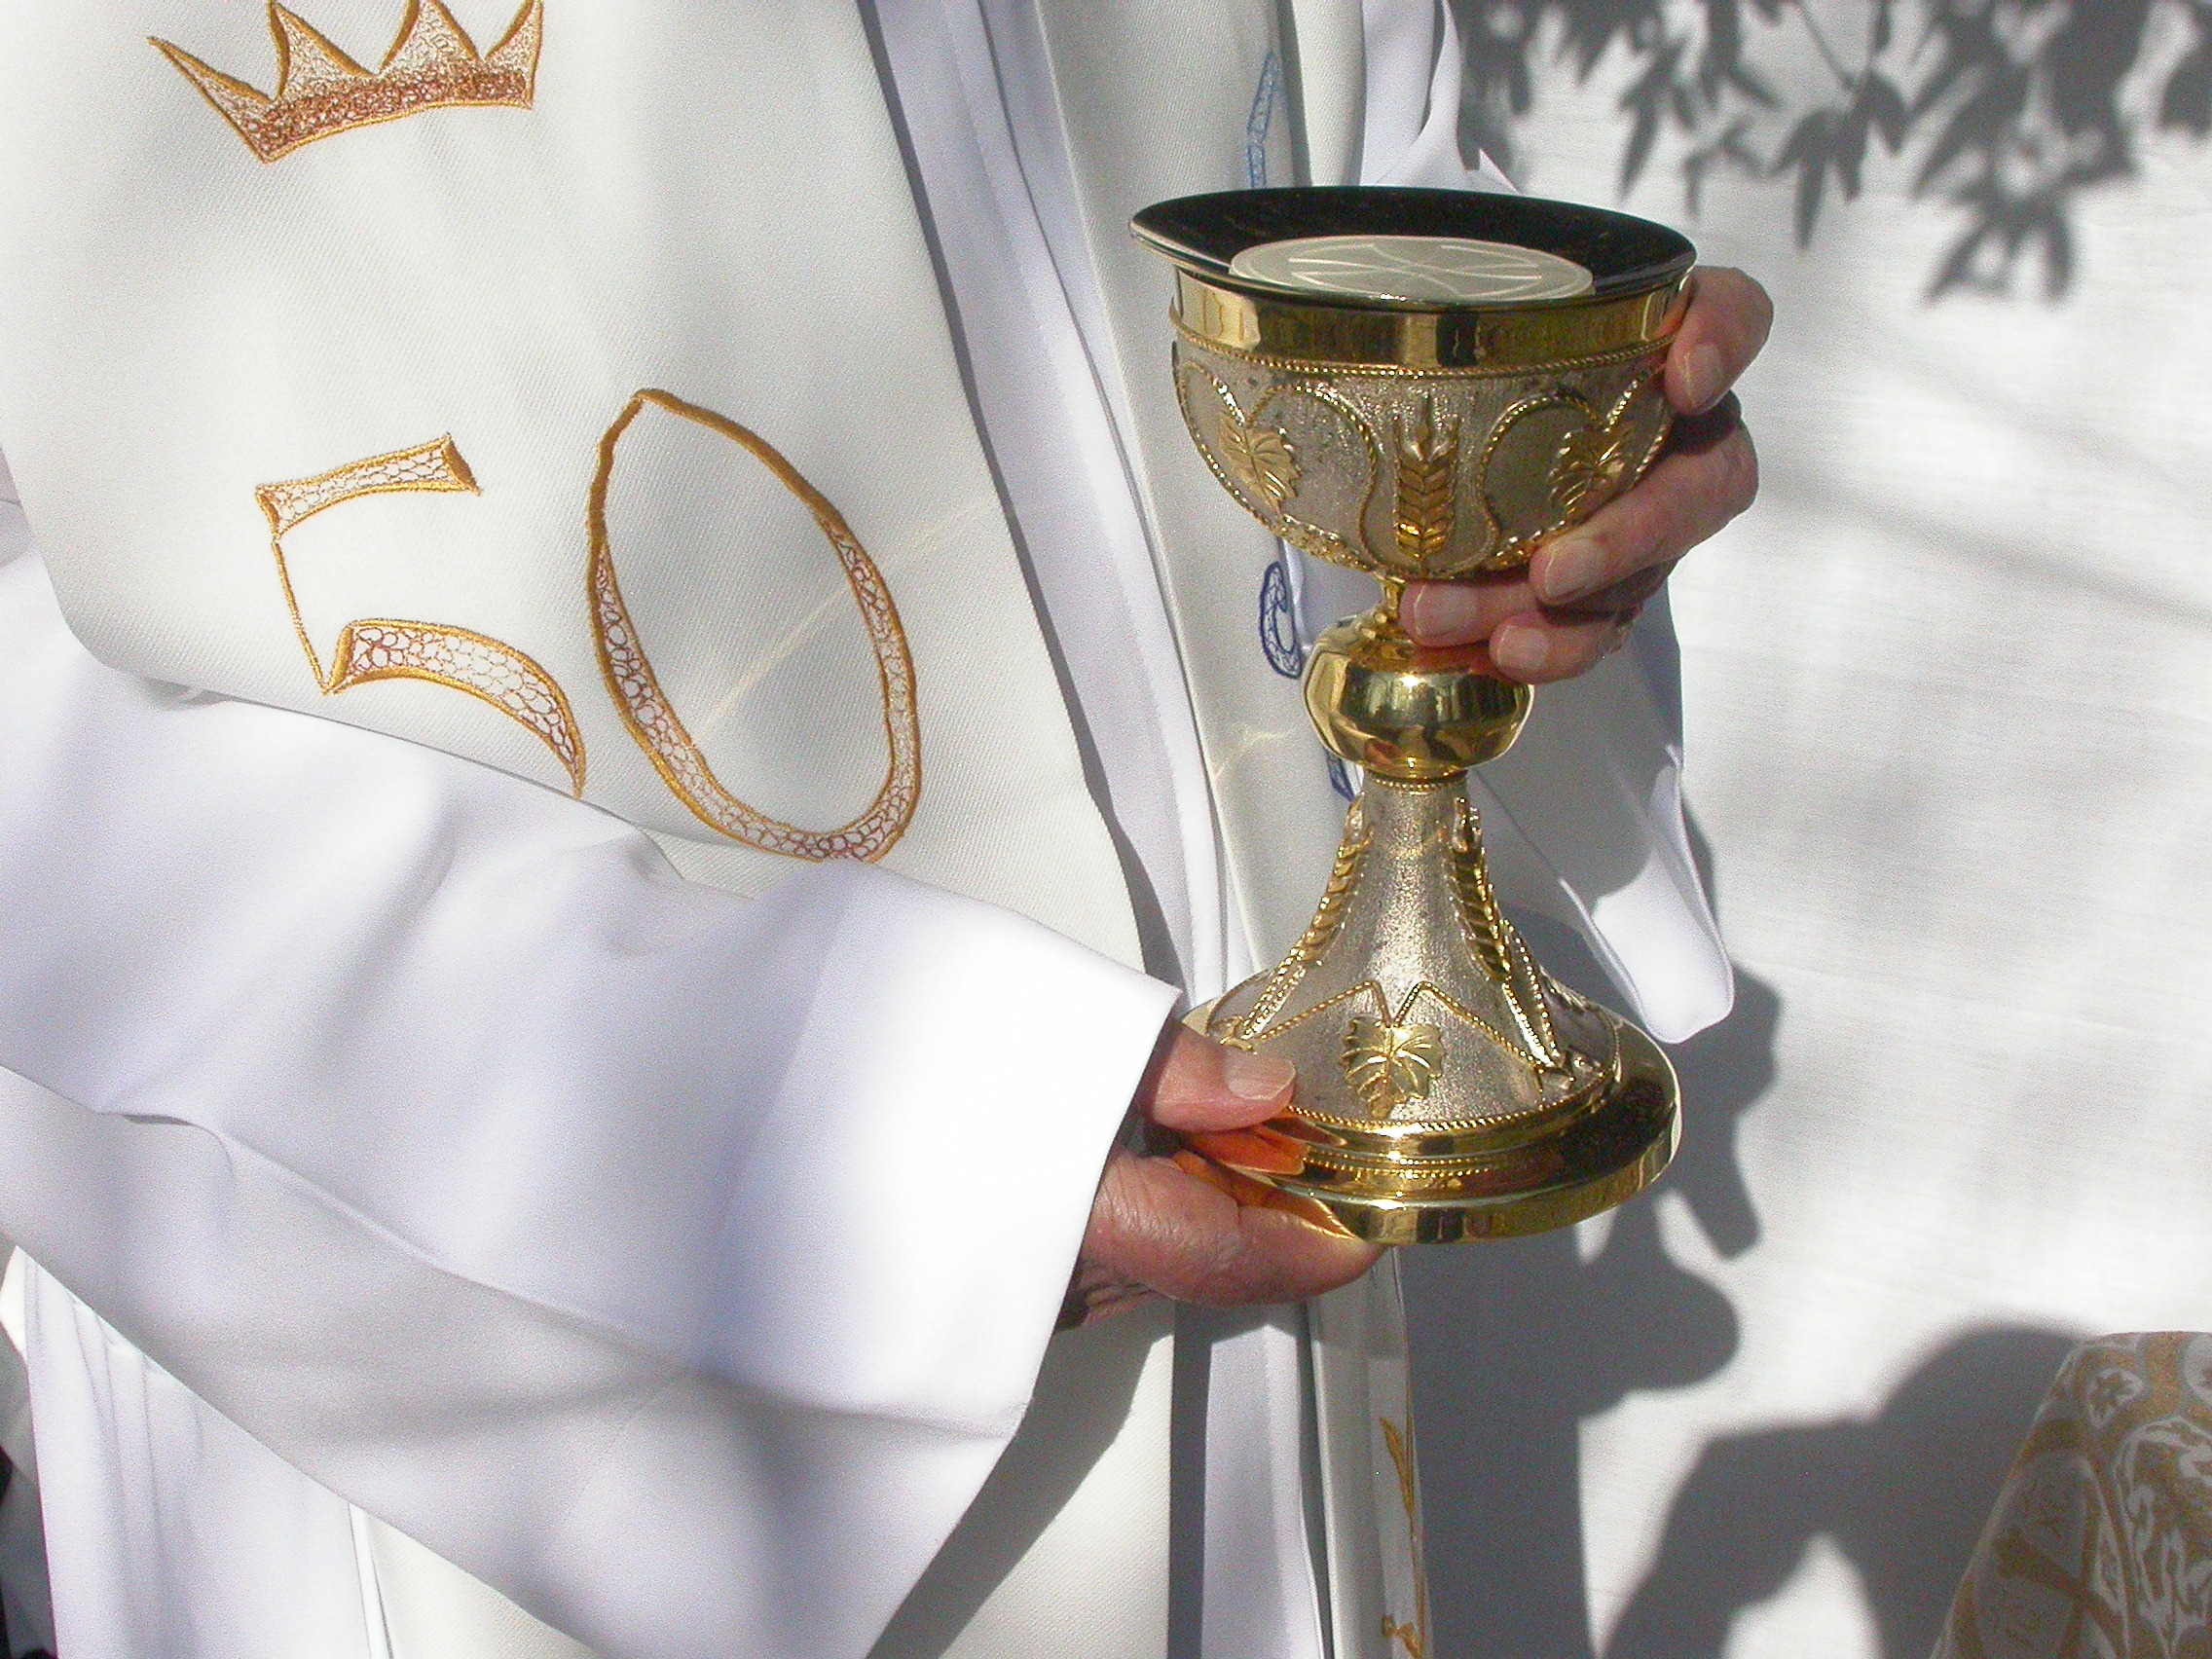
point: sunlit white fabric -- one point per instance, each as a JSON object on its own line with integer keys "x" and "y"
{"x": 509, "y": 280}
{"x": 1052, "y": 483}
{"x": 1048, "y": 423}
{"x": 25, "y": 1595}
{"x": 544, "y": 1120}
{"x": 128, "y": 1426}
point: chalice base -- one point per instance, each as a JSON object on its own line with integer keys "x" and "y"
{"x": 1448, "y": 1088}
{"x": 1450, "y": 1188}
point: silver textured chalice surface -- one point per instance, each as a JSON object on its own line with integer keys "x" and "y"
{"x": 1425, "y": 383}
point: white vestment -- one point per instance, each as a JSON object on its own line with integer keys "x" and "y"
{"x": 678, "y": 1258}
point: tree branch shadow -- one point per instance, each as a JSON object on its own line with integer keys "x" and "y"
{"x": 2003, "y": 113}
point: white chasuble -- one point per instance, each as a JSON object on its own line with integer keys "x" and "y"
{"x": 570, "y": 395}
{"x": 573, "y": 395}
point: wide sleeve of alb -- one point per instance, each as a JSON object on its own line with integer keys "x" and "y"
{"x": 677, "y": 1264}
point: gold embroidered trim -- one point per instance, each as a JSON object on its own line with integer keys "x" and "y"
{"x": 321, "y": 93}
{"x": 1414, "y": 1637}
{"x": 388, "y": 648}
{"x": 661, "y": 733}
{"x": 436, "y": 465}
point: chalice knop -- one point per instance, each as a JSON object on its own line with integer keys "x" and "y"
{"x": 1425, "y": 383}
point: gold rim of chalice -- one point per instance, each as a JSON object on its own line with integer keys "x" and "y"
{"x": 1640, "y": 282}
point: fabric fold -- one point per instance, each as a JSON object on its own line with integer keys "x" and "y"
{"x": 639, "y": 1304}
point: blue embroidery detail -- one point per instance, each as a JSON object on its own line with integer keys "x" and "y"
{"x": 1340, "y": 778}
{"x": 1278, "y": 623}
{"x": 1258, "y": 124}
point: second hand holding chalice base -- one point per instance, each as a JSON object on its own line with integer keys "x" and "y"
{"x": 1425, "y": 383}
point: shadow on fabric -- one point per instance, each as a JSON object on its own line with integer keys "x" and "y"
{"x": 6, "y": 1475}
{"x": 1515, "y": 1343}
{"x": 1903, "y": 1494}
{"x": 2001, "y": 128}
{"x": 1084, "y": 1394}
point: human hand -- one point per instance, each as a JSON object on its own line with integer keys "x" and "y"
{"x": 1577, "y": 598}
{"x": 1163, "y": 1227}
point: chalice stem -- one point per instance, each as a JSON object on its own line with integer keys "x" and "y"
{"x": 1449, "y": 1087}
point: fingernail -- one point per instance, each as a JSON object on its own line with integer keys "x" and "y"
{"x": 1256, "y": 1077}
{"x": 1521, "y": 653}
{"x": 1412, "y": 609}
{"x": 1705, "y": 377}
{"x": 1431, "y": 612}
{"x": 1569, "y": 568}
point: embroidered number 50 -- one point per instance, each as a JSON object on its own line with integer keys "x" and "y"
{"x": 386, "y": 648}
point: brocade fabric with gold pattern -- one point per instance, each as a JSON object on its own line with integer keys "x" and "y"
{"x": 2101, "y": 1544}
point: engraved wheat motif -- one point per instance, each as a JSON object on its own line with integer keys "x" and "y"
{"x": 1428, "y": 456}
{"x": 1541, "y": 1026}
{"x": 1321, "y": 932}
{"x": 1484, "y": 924}
{"x": 1496, "y": 943}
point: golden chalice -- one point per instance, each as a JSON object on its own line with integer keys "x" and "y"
{"x": 1425, "y": 383}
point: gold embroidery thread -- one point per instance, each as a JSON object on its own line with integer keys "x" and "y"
{"x": 1413, "y": 1636}
{"x": 371, "y": 650}
{"x": 321, "y": 92}
{"x": 661, "y": 733}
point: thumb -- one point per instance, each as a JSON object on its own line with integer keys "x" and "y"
{"x": 1196, "y": 1083}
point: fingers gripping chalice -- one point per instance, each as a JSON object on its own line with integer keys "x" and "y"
{"x": 1425, "y": 383}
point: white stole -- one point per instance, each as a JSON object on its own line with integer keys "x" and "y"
{"x": 399, "y": 368}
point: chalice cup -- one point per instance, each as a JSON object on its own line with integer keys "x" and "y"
{"x": 1425, "y": 383}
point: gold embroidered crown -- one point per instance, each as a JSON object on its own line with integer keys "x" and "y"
{"x": 320, "y": 92}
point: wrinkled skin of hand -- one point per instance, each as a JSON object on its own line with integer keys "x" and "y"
{"x": 1578, "y": 597}
{"x": 1161, "y": 1227}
